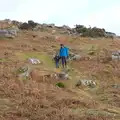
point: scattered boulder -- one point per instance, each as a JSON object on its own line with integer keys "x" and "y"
{"x": 88, "y": 83}
{"x": 116, "y": 86}
{"x": 34, "y": 61}
{"x": 61, "y": 76}
{"x": 116, "y": 55}
{"x": 8, "y": 33}
{"x": 3, "y": 32}
{"x": 12, "y": 32}
{"x": 77, "y": 57}
{"x": 23, "y": 72}
{"x": 73, "y": 56}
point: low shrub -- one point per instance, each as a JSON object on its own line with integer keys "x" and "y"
{"x": 60, "y": 84}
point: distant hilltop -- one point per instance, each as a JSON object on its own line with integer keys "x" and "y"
{"x": 77, "y": 30}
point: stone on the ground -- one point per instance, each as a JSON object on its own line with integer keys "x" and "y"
{"x": 89, "y": 83}
{"x": 24, "y": 72}
{"x": 61, "y": 76}
{"x": 11, "y": 33}
{"x": 116, "y": 86}
{"x": 116, "y": 55}
{"x": 77, "y": 57}
{"x": 34, "y": 61}
{"x": 71, "y": 55}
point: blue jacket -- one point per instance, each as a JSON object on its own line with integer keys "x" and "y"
{"x": 64, "y": 52}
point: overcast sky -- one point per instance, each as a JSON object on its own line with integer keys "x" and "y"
{"x": 99, "y": 13}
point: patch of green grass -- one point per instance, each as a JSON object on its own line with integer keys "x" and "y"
{"x": 2, "y": 38}
{"x": 94, "y": 112}
{"x": 43, "y": 57}
{"x": 2, "y": 60}
{"x": 60, "y": 84}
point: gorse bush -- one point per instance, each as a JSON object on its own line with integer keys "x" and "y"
{"x": 24, "y": 26}
{"x": 90, "y": 32}
{"x": 30, "y": 25}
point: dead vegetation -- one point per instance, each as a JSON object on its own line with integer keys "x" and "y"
{"x": 38, "y": 97}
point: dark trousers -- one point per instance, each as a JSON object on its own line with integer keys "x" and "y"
{"x": 64, "y": 61}
{"x": 57, "y": 63}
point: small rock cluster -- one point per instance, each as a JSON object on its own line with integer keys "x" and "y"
{"x": 8, "y": 33}
{"x": 88, "y": 83}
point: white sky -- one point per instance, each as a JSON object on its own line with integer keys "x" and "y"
{"x": 99, "y": 13}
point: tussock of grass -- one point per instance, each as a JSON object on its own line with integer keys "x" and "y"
{"x": 2, "y": 60}
{"x": 60, "y": 84}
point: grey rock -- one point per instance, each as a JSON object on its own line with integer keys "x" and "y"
{"x": 24, "y": 72}
{"x": 77, "y": 57}
{"x": 116, "y": 55}
{"x": 34, "y": 61}
{"x": 89, "y": 83}
{"x": 63, "y": 76}
{"x": 8, "y": 33}
{"x": 116, "y": 86}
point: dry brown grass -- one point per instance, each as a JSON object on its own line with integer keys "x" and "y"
{"x": 40, "y": 99}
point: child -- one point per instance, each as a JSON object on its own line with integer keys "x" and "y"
{"x": 56, "y": 59}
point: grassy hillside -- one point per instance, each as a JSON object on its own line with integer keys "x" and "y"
{"x": 38, "y": 98}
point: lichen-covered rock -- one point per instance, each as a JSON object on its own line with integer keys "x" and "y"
{"x": 34, "y": 61}
{"x": 23, "y": 72}
{"x": 88, "y": 83}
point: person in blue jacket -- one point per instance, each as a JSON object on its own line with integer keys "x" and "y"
{"x": 64, "y": 54}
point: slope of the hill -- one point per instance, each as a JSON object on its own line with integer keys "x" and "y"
{"x": 38, "y": 98}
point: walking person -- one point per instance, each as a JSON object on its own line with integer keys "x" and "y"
{"x": 64, "y": 53}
